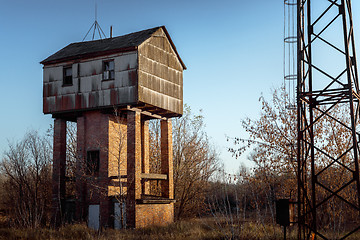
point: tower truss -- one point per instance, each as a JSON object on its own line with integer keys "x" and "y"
{"x": 328, "y": 116}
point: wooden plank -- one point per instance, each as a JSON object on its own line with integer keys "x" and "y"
{"x": 155, "y": 201}
{"x": 117, "y": 177}
{"x": 145, "y": 113}
{"x": 153, "y": 176}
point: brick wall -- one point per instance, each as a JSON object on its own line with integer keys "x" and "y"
{"x": 122, "y": 142}
{"x": 133, "y": 165}
{"x": 154, "y": 214}
{"x": 59, "y": 167}
{"x": 93, "y": 134}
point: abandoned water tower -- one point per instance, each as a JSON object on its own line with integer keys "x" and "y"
{"x": 111, "y": 88}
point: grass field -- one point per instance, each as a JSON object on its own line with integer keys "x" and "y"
{"x": 202, "y": 228}
{"x": 191, "y": 229}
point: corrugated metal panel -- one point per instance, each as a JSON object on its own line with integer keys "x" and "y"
{"x": 96, "y": 82}
{"x": 90, "y": 68}
{"x": 127, "y": 94}
{"x": 122, "y": 79}
{"x": 68, "y": 89}
{"x": 106, "y": 97}
{"x": 85, "y": 100}
{"x": 126, "y": 62}
{"x": 86, "y": 84}
{"x": 53, "y": 74}
{"x": 107, "y": 85}
{"x": 157, "y": 80}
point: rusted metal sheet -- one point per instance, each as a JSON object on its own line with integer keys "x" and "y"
{"x": 91, "y": 68}
{"x": 113, "y": 97}
{"x": 106, "y": 97}
{"x": 53, "y": 74}
{"x": 152, "y": 75}
{"x": 94, "y": 99}
{"x": 78, "y": 101}
{"x": 122, "y": 79}
{"x": 127, "y": 95}
{"x": 107, "y": 85}
{"x": 85, "y": 100}
{"x": 126, "y": 62}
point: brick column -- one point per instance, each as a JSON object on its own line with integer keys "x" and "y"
{"x": 145, "y": 154}
{"x": 104, "y": 181}
{"x": 80, "y": 171}
{"x": 167, "y": 187}
{"x": 133, "y": 165}
{"x": 59, "y": 167}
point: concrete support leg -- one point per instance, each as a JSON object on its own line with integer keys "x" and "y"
{"x": 167, "y": 187}
{"x": 59, "y": 167}
{"x": 145, "y": 155}
{"x": 133, "y": 166}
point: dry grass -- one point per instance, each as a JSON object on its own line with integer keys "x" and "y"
{"x": 206, "y": 229}
{"x": 180, "y": 230}
{"x": 193, "y": 229}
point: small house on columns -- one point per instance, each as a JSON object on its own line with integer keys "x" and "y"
{"x": 111, "y": 88}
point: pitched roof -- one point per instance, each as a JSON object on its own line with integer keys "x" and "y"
{"x": 105, "y": 46}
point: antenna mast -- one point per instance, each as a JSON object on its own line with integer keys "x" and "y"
{"x": 95, "y": 26}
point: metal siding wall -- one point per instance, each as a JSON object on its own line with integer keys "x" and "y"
{"x": 126, "y": 62}
{"x": 94, "y": 92}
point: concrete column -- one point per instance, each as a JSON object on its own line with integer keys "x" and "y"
{"x": 145, "y": 154}
{"x": 81, "y": 207}
{"x": 59, "y": 167}
{"x": 133, "y": 165}
{"x": 167, "y": 187}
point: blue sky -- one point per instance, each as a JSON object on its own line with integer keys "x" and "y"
{"x": 233, "y": 50}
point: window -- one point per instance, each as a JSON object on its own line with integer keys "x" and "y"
{"x": 93, "y": 162}
{"x": 109, "y": 72}
{"x": 67, "y": 76}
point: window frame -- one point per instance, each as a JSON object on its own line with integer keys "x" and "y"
{"x": 92, "y": 164}
{"x": 105, "y": 62}
{"x": 66, "y": 78}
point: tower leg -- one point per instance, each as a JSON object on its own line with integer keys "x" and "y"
{"x": 105, "y": 202}
{"x": 145, "y": 154}
{"x": 133, "y": 166}
{"x": 59, "y": 167}
{"x": 80, "y": 171}
{"x": 167, "y": 186}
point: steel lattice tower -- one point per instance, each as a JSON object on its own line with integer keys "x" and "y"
{"x": 327, "y": 98}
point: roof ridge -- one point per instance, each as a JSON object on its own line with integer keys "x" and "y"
{"x": 79, "y": 49}
{"x": 100, "y": 47}
{"x": 137, "y": 32}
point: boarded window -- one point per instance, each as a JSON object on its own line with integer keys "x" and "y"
{"x": 67, "y": 76}
{"x": 109, "y": 72}
{"x": 93, "y": 162}
{"x": 94, "y": 217}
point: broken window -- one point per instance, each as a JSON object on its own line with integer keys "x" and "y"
{"x": 67, "y": 76}
{"x": 93, "y": 162}
{"x": 109, "y": 72}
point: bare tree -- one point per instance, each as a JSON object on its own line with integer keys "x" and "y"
{"x": 26, "y": 166}
{"x": 195, "y": 160}
{"x": 118, "y": 153}
{"x": 272, "y": 141}
{"x": 87, "y": 170}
